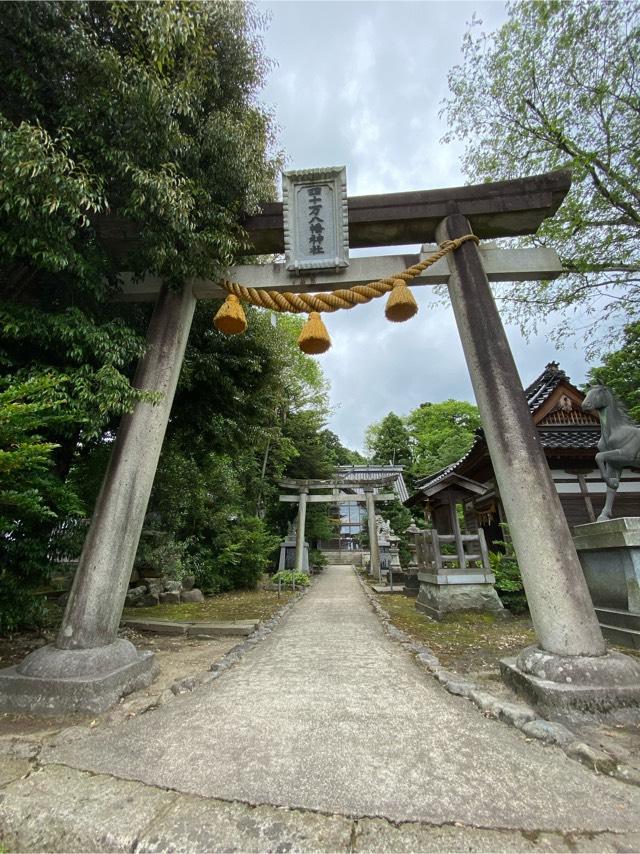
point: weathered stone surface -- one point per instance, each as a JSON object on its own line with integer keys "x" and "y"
{"x": 155, "y": 586}
{"x": 591, "y": 756}
{"x": 13, "y": 769}
{"x": 160, "y": 627}
{"x": 483, "y": 700}
{"x": 53, "y": 680}
{"x": 516, "y": 714}
{"x": 565, "y": 685}
{"x": 237, "y": 628}
{"x": 18, "y": 748}
{"x": 380, "y": 836}
{"x": 171, "y": 597}
{"x": 428, "y": 660}
{"x": 171, "y": 586}
{"x": 64, "y": 810}
{"x": 459, "y": 687}
{"x": 188, "y": 581}
{"x": 135, "y": 595}
{"x": 548, "y": 731}
{"x": 628, "y": 774}
{"x": 193, "y": 824}
{"x": 150, "y": 600}
{"x": 329, "y": 682}
{"x": 437, "y": 600}
{"x": 194, "y": 595}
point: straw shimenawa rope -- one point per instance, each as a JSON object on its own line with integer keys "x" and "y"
{"x": 314, "y": 338}
{"x": 341, "y": 298}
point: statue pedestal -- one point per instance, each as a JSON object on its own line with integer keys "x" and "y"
{"x": 609, "y": 553}
{"x": 287, "y": 559}
{"x": 442, "y": 594}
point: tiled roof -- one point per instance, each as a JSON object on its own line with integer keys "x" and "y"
{"x": 432, "y": 479}
{"x": 544, "y": 385}
{"x": 582, "y": 437}
{"x": 375, "y": 472}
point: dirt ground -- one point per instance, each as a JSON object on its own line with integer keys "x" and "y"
{"x": 177, "y": 657}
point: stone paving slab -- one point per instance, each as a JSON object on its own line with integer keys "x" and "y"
{"x": 328, "y": 714}
{"x": 63, "y": 810}
{"x": 58, "y": 809}
{"x": 221, "y": 628}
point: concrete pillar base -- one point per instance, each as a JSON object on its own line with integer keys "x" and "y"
{"x": 574, "y": 684}
{"x": 438, "y": 600}
{"x": 51, "y": 681}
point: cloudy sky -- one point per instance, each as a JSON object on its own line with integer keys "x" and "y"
{"x": 360, "y": 84}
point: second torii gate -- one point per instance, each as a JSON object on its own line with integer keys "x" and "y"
{"x": 332, "y": 492}
{"x": 88, "y": 668}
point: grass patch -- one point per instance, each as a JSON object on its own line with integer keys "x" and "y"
{"x": 237, "y": 605}
{"x": 466, "y": 641}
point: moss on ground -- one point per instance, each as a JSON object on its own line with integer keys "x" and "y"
{"x": 237, "y": 605}
{"x": 466, "y": 641}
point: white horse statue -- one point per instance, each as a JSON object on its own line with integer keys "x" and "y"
{"x": 619, "y": 445}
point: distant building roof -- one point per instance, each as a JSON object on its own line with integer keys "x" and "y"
{"x": 377, "y": 472}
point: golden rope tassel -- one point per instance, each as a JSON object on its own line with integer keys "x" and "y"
{"x": 401, "y": 304}
{"x": 230, "y": 318}
{"x": 314, "y": 338}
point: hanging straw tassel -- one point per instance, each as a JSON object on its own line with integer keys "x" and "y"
{"x": 230, "y": 318}
{"x": 401, "y": 304}
{"x": 314, "y": 338}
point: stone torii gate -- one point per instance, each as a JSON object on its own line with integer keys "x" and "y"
{"x": 304, "y": 493}
{"x": 88, "y": 668}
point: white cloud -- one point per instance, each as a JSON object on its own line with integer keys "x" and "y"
{"x": 360, "y": 84}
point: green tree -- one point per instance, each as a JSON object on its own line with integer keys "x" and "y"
{"x": 442, "y": 433}
{"x": 139, "y": 113}
{"x": 389, "y": 442}
{"x": 620, "y": 371}
{"x": 558, "y": 85}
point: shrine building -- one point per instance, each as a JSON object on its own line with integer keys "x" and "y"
{"x": 569, "y": 438}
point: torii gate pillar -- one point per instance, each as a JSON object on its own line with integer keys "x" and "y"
{"x": 570, "y": 668}
{"x": 89, "y": 668}
{"x": 374, "y": 548}
{"x": 302, "y": 518}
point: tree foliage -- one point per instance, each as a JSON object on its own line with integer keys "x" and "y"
{"x": 388, "y": 442}
{"x": 558, "y": 85}
{"x": 111, "y": 112}
{"x": 620, "y": 371}
{"x": 442, "y": 433}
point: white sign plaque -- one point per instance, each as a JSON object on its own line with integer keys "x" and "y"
{"x": 316, "y": 222}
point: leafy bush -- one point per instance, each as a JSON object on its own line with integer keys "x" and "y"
{"x": 240, "y": 555}
{"x": 164, "y": 553}
{"x": 317, "y": 558}
{"x": 288, "y": 579}
{"x": 504, "y": 566}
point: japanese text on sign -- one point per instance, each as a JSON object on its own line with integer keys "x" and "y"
{"x": 316, "y": 223}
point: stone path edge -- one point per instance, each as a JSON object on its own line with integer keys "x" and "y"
{"x": 22, "y": 748}
{"x": 519, "y": 715}
{"x": 237, "y": 652}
